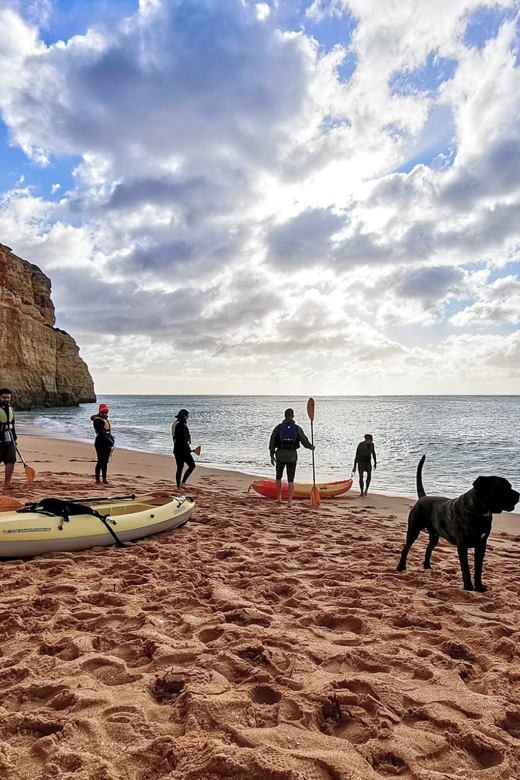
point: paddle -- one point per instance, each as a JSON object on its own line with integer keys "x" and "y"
{"x": 315, "y": 491}
{"x": 197, "y": 450}
{"x": 29, "y": 472}
{"x": 90, "y": 499}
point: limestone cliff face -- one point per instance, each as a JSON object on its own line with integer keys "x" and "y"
{"x": 38, "y": 362}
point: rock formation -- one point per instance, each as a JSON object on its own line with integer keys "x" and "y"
{"x": 38, "y": 362}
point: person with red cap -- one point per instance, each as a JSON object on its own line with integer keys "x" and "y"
{"x": 104, "y": 442}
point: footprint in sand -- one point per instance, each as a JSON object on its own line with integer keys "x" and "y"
{"x": 109, "y": 672}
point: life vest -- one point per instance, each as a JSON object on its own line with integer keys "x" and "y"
{"x": 174, "y": 425}
{"x": 289, "y": 438}
{"x": 105, "y": 422}
{"x": 6, "y": 420}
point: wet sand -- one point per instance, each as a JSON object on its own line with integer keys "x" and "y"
{"x": 255, "y": 643}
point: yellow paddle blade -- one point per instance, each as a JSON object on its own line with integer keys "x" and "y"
{"x": 310, "y": 409}
{"x": 29, "y": 474}
{"x": 197, "y": 450}
{"x": 8, "y": 504}
{"x": 315, "y": 496}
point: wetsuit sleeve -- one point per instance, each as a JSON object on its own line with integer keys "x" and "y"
{"x": 304, "y": 440}
{"x": 356, "y": 458}
{"x": 274, "y": 441}
{"x": 374, "y": 455}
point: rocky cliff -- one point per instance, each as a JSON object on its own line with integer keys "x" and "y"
{"x": 38, "y": 362}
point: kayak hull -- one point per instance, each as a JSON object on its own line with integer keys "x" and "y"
{"x": 33, "y": 533}
{"x": 267, "y": 487}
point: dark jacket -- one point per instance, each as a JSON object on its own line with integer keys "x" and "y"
{"x": 181, "y": 437}
{"x": 287, "y": 455}
{"x": 104, "y": 436}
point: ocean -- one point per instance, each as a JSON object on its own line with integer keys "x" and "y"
{"x": 461, "y": 436}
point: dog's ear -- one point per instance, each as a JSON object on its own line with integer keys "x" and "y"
{"x": 481, "y": 483}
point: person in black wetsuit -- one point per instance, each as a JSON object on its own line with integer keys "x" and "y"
{"x": 182, "y": 447}
{"x": 363, "y": 460}
{"x": 104, "y": 442}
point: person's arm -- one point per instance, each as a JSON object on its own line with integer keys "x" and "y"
{"x": 304, "y": 440}
{"x": 374, "y": 456}
{"x": 356, "y": 458}
{"x": 15, "y": 437}
{"x": 273, "y": 443}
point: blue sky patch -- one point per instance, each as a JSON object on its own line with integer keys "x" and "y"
{"x": 484, "y": 24}
{"x": 425, "y": 79}
{"x": 16, "y": 170}
{"x": 72, "y": 17}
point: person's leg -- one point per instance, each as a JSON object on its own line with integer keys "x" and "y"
{"x": 188, "y": 459}
{"x": 180, "y": 463}
{"x": 9, "y": 468}
{"x": 368, "y": 479}
{"x": 291, "y": 471}
{"x": 279, "y": 474}
{"x": 97, "y": 470}
{"x": 104, "y": 463}
{"x": 361, "y": 482}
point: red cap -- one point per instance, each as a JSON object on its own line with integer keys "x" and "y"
{"x": 102, "y": 408}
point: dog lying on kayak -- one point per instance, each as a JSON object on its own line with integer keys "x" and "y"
{"x": 59, "y": 508}
{"x": 464, "y": 521}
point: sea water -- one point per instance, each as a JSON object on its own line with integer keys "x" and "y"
{"x": 461, "y": 436}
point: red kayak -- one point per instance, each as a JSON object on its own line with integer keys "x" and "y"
{"x": 267, "y": 487}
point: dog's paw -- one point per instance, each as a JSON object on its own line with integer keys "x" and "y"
{"x": 481, "y": 588}
{"x": 468, "y": 586}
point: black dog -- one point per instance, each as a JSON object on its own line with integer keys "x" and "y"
{"x": 60, "y": 508}
{"x": 464, "y": 521}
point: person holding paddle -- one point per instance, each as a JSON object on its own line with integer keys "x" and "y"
{"x": 7, "y": 436}
{"x": 283, "y": 445}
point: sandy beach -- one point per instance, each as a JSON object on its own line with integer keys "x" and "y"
{"x": 255, "y": 643}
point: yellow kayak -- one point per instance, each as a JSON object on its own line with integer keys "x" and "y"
{"x": 267, "y": 487}
{"x": 33, "y": 533}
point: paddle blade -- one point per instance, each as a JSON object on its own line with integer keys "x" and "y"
{"x": 8, "y": 504}
{"x": 310, "y": 409}
{"x": 29, "y": 474}
{"x": 197, "y": 450}
{"x": 315, "y": 496}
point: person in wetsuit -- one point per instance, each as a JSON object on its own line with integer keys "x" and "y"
{"x": 104, "y": 442}
{"x": 7, "y": 436}
{"x": 182, "y": 447}
{"x": 363, "y": 460}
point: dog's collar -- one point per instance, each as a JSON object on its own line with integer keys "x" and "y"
{"x": 488, "y": 511}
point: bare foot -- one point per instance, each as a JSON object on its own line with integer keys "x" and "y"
{"x": 279, "y": 501}
{"x": 9, "y": 487}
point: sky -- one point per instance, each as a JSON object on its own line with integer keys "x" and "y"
{"x": 280, "y": 197}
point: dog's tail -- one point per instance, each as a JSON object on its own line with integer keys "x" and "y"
{"x": 420, "y": 490}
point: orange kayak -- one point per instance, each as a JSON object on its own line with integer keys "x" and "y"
{"x": 267, "y": 487}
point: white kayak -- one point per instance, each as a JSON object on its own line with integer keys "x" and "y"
{"x": 33, "y": 533}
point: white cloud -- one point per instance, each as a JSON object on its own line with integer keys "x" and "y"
{"x": 234, "y": 208}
